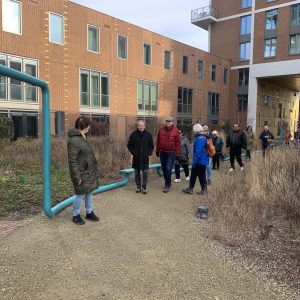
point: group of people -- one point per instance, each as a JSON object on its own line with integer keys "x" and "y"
{"x": 173, "y": 149}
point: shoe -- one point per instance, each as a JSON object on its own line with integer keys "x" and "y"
{"x": 231, "y": 170}
{"x": 188, "y": 190}
{"x": 144, "y": 190}
{"x": 77, "y": 220}
{"x": 165, "y": 189}
{"x": 92, "y": 217}
{"x": 201, "y": 193}
{"x": 177, "y": 180}
{"x": 208, "y": 181}
{"x": 187, "y": 178}
{"x": 242, "y": 169}
{"x": 138, "y": 190}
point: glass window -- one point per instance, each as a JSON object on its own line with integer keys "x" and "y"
{"x": 84, "y": 89}
{"x": 3, "y": 82}
{"x": 245, "y": 51}
{"x": 147, "y": 96}
{"x": 243, "y": 77}
{"x": 56, "y": 29}
{"x": 147, "y": 54}
{"x": 93, "y": 38}
{"x": 271, "y": 19}
{"x": 30, "y": 90}
{"x": 104, "y": 90}
{"x": 185, "y": 65}
{"x": 185, "y": 100}
{"x": 140, "y": 95}
{"x": 167, "y": 60}
{"x": 11, "y": 16}
{"x": 295, "y": 14}
{"x": 246, "y": 3}
{"x": 295, "y": 44}
{"x": 243, "y": 102}
{"x": 270, "y": 48}
{"x": 213, "y": 72}
{"x": 154, "y": 96}
{"x": 16, "y": 85}
{"x": 225, "y": 81}
{"x": 200, "y": 69}
{"x": 95, "y": 89}
{"x": 245, "y": 25}
{"x": 122, "y": 47}
{"x": 213, "y": 104}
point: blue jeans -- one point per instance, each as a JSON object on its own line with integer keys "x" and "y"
{"x": 88, "y": 203}
{"x": 208, "y": 168}
{"x": 167, "y": 161}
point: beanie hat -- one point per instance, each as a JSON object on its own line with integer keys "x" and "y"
{"x": 198, "y": 128}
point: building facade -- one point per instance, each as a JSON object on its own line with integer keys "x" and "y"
{"x": 262, "y": 39}
{"x": 104, "y": 67}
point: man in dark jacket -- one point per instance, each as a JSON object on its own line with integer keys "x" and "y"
{"x": 140, "y": 145}
{"x": 236, "y": 141}
{"x": 266, "y": 136}
{"x": 168, "y": 148}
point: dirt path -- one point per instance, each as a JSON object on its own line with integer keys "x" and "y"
{"x": 144, "y": 247}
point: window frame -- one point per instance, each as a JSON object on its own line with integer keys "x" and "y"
{"x": 297, "y": 21}
{"x": 213, "y": 72}
{"x": 297, "y": 36}
{"x": 200, "y": 70}
{"x": 151, "y": 84}
{"x": 213, "y": 111}
{"x": 185, "y": 64}
{"x": 63, "y": 28}
{"x": 245, "y": 51}
{"x": 269, "y": 21}
{"x": 19, "y": 17}
{"x": 126, "y": 47}
{"x": 242, "y": 99}
{"x": 145, "y": 45}
{"x": 225, "y": 76}
{"x": 98, "y": 38}
{"x": 170, "y": 59}
{"x": 247, "y": 24}
{"x": 245, "y": 4}
{"x": 188, "y": 102}
{"x": 270, "y": 47}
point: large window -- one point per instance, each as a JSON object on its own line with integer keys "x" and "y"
{"x": 15, "y": 90}
{"x": 245, "y": 51}
{"x": 184, "y": 100}
{"x": 167, "y": 60}
{"x": 200, "y": 69}
{"x": 295, "y": 14}
{"x": 11, "y": 16}
{"x": 295, "y": 44}
{"x": 185, "y": 65}
{"x": 147, "y": 54}
{"x": 246, "y": 3}
{"x": 93, "y": 39}
{"x": 213, "y": 72}
{"x": 147, "y": 96}
{"x": 243, "y": 77}
{"x": 56, "y": 29}
{"x": 271, "y": 19}
{"x": 122, "y": 47}
{"x": 270, "y": 48}
{"x": 94, "y": 89}
{"x": 245, "y": 27}
{"x": 243, "y": 103}
{"x": 213, "y": 104}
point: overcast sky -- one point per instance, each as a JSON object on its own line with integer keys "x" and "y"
{"x": 171, "y": 18}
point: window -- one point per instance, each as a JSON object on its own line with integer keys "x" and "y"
{"x": 167, "y": 60}
{"x": 94, "y": 89}
{"x": 122, "y": 47}
{"x": 184, "y": 100}
{"x": 246, "y": 3}
{"x": 266, "y": 100}
{"x": 11, "y": 16}
{"x": 279, "y": 110}
{"x": 243, "y": 102}
{"x": 185, "y": 65}
{"x": 245, "y": 51}
{"x": 270, "y": 48}
{"x": 200, "y": 69}
{"x": 213, "y": 104}
{"x": 271, "y": 19}
{"x": 295, "y": 44}
{"x": 147, "y": 54}
{"x": 15, "y": 90}
{"x": 147, "y": 96}
{"x": 93, "y": 39}
{"x": 243, "y": 77}
{"x": 295, "y": 14}
{"x": 213, "y": 72}
{"x": 56, "y": 29}
{"x": 225, "y": 80}
{"x": 245, "y": 25}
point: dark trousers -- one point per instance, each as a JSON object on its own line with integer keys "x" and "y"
{"x": 185, "y": 169}
{"x": 248, "y": 154}
{"x": 138, "y": 178}
{"x": 216, "y": 161}
{"x": 167, "y": 162}
{"x": 264, "y": 149}
{"x": 235, "y": 153}
{"x": 200, "y": 172}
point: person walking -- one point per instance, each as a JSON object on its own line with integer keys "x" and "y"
{"x": 83, "y": 169}
{"x": 250, "y": 141}
{"x": 210, "y": 158}
{"x": 140, "y": 145}
{"x": 168, "y": 148}
{"x": 184, "y": 158}
{"x": 218, "y": 143}
{"x": 236, "y": 141}
{"x": 200, "y": 161}
{"x": 288, "y": 137}
{"x": 296, "y": 137}
{"x": 266, "y": 136}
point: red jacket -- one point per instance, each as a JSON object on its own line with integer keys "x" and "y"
{"x": 168, "y": 141}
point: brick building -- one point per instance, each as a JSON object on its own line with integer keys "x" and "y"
{"x": 109, "y": 69}
{"x": 262, "y": 39}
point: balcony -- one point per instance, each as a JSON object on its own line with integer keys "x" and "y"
{"x": 204, "y": 16}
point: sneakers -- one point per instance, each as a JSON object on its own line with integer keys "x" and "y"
{"x": 177, "y": 180}
{"x": 138, "y": 190}
{"x": 144, "y": 190}
{"x": 188, "y": 190}
{"x": 77, "y": 220}
{"x": 92, "y": 217}
{"x": 231, "y": 170}
{"x": 242, "y": 169}
{"x": 187, "y": 178}
{"x": 165, "y": 189}
{"x": 208, "y": 181}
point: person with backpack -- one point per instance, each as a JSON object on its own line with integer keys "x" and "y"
{"x": 210, "y": 157}
{"x": 218, "y": 143}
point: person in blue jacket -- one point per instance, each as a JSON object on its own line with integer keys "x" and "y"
{"x": 266, "y": 136}
{"x": 200, "y": 161}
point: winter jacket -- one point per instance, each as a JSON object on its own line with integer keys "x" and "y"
{"x": 184, "y": 151}
{"x": 82, "y": 163}
{"x": 141, "y": 146}
{"x": 200, "y": 156}
{"x": 265, "y": 136}
{"x": 168, "y": 140}
{"x": 218, "y": 143}
{"x": 236, "y": 140}
{"x": 250, "y": 140}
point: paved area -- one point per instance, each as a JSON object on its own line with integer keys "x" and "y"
{"x": 144, "y": 247}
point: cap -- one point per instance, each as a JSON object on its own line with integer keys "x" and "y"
{"x": 169, "y": 119}
{"x": 215, "y": 132}
{"x": 198, "y": 128}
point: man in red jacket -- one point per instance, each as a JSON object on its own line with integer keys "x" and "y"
{"x": 167, "y": 148}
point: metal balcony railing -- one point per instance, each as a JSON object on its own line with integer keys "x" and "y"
{"x": 200, "y": 13}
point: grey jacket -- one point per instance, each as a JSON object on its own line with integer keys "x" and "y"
{"x": 184, "y": 150}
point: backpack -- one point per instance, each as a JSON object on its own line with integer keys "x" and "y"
{"x": 210, "y": 149}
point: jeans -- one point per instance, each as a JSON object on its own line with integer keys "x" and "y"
{"x": 185, "y": 169}
{"x": 208, "y": 168}
{"x": 200, "y": 172}
{"x": 138, "y": 178}
{"x": 236, "y": 153}
{"x": 167, "y": 162}
{"x": 88, "y": 203}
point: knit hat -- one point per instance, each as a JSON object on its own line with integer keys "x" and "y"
{"x": 215, "y": 132}
{"x": 198, "y": 128}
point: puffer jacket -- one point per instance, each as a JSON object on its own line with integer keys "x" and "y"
{"x": 82, "y": 163}
{"x": 168, "y": 140}
{"x": 200, "y": 156}
{"x": 236, "y": 140}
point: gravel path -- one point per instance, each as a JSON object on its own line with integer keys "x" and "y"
{"x": 144, "y": 247}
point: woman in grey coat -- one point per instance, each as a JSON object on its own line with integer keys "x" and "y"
{"x": 83, "y": 169}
